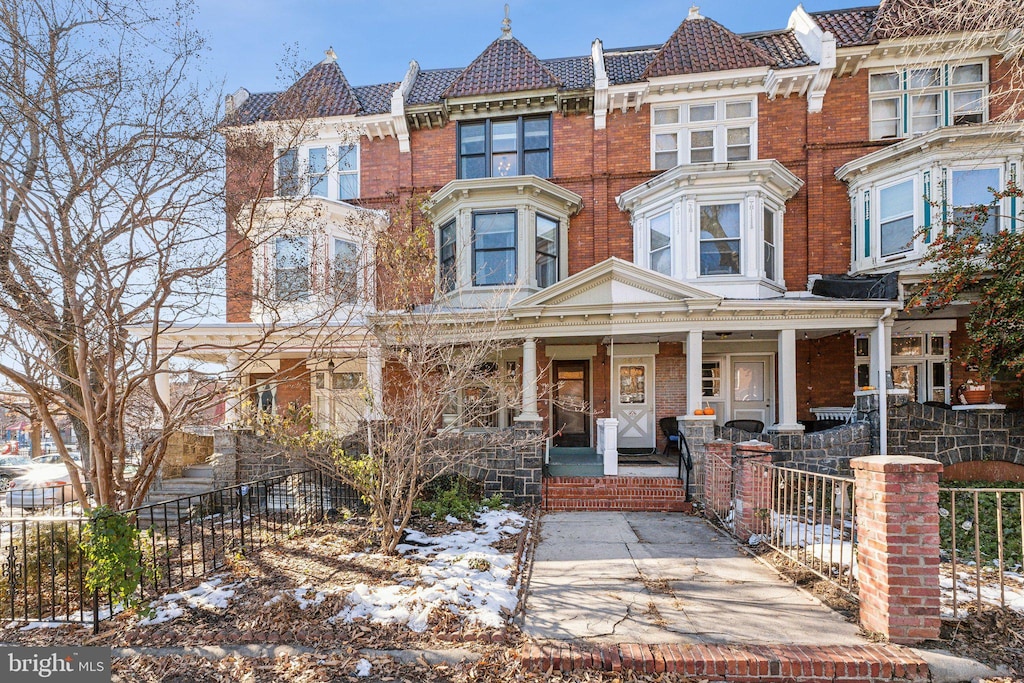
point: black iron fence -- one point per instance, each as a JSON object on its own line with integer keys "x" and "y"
{"x": 43, "y": 566}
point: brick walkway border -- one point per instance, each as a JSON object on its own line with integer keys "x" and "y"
{"x": 868, "y": 663}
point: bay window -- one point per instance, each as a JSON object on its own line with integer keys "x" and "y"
{"x": 494, "y": 248}
{"x": 704, "y": 132}
{"x": 919, "y": 99}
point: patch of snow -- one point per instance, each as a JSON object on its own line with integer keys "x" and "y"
{"x": 211, "y": 595}
{"x": 461, "y": 570}
{"x": 363, "y": 667}
{"x": 451, "y": 519}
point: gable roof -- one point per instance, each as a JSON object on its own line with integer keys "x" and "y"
{"x": 322, "y": 91}
{"x": 702, "y": 45}
{"x": 504, "y": 66}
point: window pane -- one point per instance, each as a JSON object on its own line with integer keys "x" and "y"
{"x": 906, "y": 346}
{"x": 547, "y": 270}
{"x": 495, "y": 230}
{"x": 503, "y": 136}
{"x": 318, "y": 171}
{"x": 504, "y": 164}
{"x": 537, "y": 163}
{"x": 447, "y": 258}
{"x": 720, "y": 257}
{"x": 495, "y": 267}
{"x": 885, "y": 118}
{"x": 769, "y": 226}
{"x": 547, "y": 251}
{"x": 665, "y": 150}
{"x": 474, "y": 167}
{"x": 537, "y": 133}
{"x": 737, "y": 144}
{"x": 472, "y": 138}
{"x": 769, "y": 261}
{"x": 348, "y": 157}
{"x": 897, "y": 200}
{"x": 663, "y": 116}
{"x": 967, "y": 107}
{"x": 346, "y": 270}
{"x": 702, "y": 146}
{"x": 737, "y": 110}
{"x": 862, "y": 348}
{"x": 291, "y": 277}
{"x": 664, "y": 142}
{"x": 968, "y": 73}
{"x": 664, "y": 160}
{"x": 348, "y": 186}
{"x": 925, "y": 112}
{"x": 702, "y": 112}
{"x": 897, "y": 236}
{"x": 924, "y": 78}
{"x": 896, "y": 213}
{"x": 970, "y": 190}
{"x": 884, "y": 82}
{"x": 660, "y": 232}
{"x": 632, "y": 384}
{"x": 718, "y": 221}
{"x": 938, "y": 345}
{"x": 346, "y": 381}
{"x": 863, "y": 375}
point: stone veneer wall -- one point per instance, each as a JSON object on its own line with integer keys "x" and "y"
{"x": 185, "y": 449}
{"x": 952, "y": 436}
{"x": 825, "y": 452}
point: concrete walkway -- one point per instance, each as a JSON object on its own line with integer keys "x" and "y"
{"x": 637, "y": 577}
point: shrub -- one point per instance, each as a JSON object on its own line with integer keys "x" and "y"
{"x": 985, "y": 523}
{"x": 460, "y": 499}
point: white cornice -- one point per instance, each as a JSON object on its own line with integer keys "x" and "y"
{"x": 511, "y": 187}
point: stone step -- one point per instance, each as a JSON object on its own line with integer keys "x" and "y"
{"x": 190, "y": 485}
{"x": 868, "y": 663}
{"x": 620, "y": 494}
{"x": 198, "y": 472}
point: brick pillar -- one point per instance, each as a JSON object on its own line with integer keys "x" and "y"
{"x": 897, "y": 499}
{"x": 753, "y": 461}
{"x": 717, "y": 478}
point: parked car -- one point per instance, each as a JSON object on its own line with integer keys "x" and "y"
{"x": 54, "y": 458}
{"x": 12, "y": 466}
{"x": 43, "y": 486}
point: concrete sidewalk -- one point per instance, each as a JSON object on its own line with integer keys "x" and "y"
{"x": 608, "y": 577}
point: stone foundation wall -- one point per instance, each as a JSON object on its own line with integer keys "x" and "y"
{"x": 825, "y": 452}
{"x": 185, "y": 449}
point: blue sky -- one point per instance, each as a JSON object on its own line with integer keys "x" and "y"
{"x": 375, "y": 39}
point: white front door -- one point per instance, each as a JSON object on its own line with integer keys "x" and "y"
{"x": 633, "y": 400}
{"x": 752, "y": 388}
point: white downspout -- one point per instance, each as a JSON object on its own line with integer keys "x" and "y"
{"x": 883, "y": 391}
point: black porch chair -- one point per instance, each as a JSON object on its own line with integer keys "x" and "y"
{"x": 670, "y": 428}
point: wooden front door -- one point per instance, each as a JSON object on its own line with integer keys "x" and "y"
{"x": 570, "y": 417}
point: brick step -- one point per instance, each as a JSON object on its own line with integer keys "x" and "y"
{"x": 620, "y": 494}
{"x": 869, "y": 663}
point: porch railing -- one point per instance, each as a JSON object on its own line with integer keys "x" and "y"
{"x": 982, "y": 547}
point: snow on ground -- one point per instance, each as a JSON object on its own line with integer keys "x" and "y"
{"x": 304, "y": 595}
{"x": 212, "y": 594}
{"x": 966, "y": 587}
{"x": 462, "y": 573}
{"x": 821, "y": 542}
{"x": 83, "y": 619}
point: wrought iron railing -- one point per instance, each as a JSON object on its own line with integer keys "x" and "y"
{"x": 43, "y": 568}
{"x": 981, "y": 534}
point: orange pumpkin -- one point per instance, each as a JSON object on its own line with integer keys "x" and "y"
{"x": 699, "y": 411}
{"x": 709, "y": 411}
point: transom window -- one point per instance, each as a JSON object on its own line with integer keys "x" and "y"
{"x": 916, "y": 100}
{"x": 719, "y": 239}
{"x": 330, "y": 171}
{"x": 701, "y": 133}
{"x": 494, "y": 248}
{"x": 505, "y": 147}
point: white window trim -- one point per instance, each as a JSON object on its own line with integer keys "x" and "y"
{"x": 333, "y": 171}
{"x": 905, "y": 91}
{"x": 720, "y": 126}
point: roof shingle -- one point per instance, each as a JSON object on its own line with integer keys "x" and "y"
{"x": 575, "y": 73}
{"x": 323, "y": 91}
{"x": 505, "y": 66}
{"x": 783, "y": 48}
{"x": 701, "y": 45}
{"x": 628, "y": 65}
{"x": 375, "y": 99}
{"x": 850, "y": 27}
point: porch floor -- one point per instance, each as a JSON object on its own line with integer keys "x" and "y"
{"x": 587, "y": 462}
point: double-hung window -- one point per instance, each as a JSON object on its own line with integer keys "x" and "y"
{"x": 769, "y": 243}
{"x": 896, "y": 218}
{"x": 920, "y": 99}
{"x": 719, "y": 239}
{"x": 448, "y": 276}
{"x": 505, "y": 147}
{"x": 321, "y": 171}
{"x": 723, "y": 130}
{"x": 288, "y": 182}
{"x": 494, "y": 248}
{"x": 348, "y": 171}
{"x": 660, "y": 231}
{"x": 291, "y": 268}
{"x": 971, "y": 190}
{"x": 346, "y": 270}
{"x": 547, "y": 239}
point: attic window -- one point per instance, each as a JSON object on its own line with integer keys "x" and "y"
{"x": 704, "y": 132}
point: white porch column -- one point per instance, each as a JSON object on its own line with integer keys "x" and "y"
{"x": 694, "y": 370}
{"x": 529, "y": 412}
{"x": 163, "y": 382}
{"x": 375, "y": 382}
{"x": 787, "y": 383}
{"x": 883, "y": 337}
{"x": 231, "y": 412}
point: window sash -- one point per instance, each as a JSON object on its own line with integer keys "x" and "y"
{"x": 447, "y": 275}
{"x": 768, "y": 234}
{"x": 896, "y": 218}
{"x": 316, "y": 171}
{"x": 494, "y": 248}
{"x": 970, "y": 190}
{"x": 720, "y": 239}
{"x": 288, "y": 173}
{"x": 917, "y": 100}
{"x": 546, "y": 241}
{"x": 291, "y": 268}
{"x": 659, "y": 231}
{"x": 346, "y": 270}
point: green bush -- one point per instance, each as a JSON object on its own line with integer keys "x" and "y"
{"x": 985, "y": 523}
{"x": 112, "y": 546}
{"x": 459, "y": 498}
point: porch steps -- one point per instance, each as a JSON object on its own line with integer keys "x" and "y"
{"x": 868, "y": 663}
{"x": 619, "y": 494}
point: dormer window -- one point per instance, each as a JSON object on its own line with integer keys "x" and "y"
{"x": 916, "y": 100}
{"x": 505, "y": 147}
{"x": 704, "y": 132}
